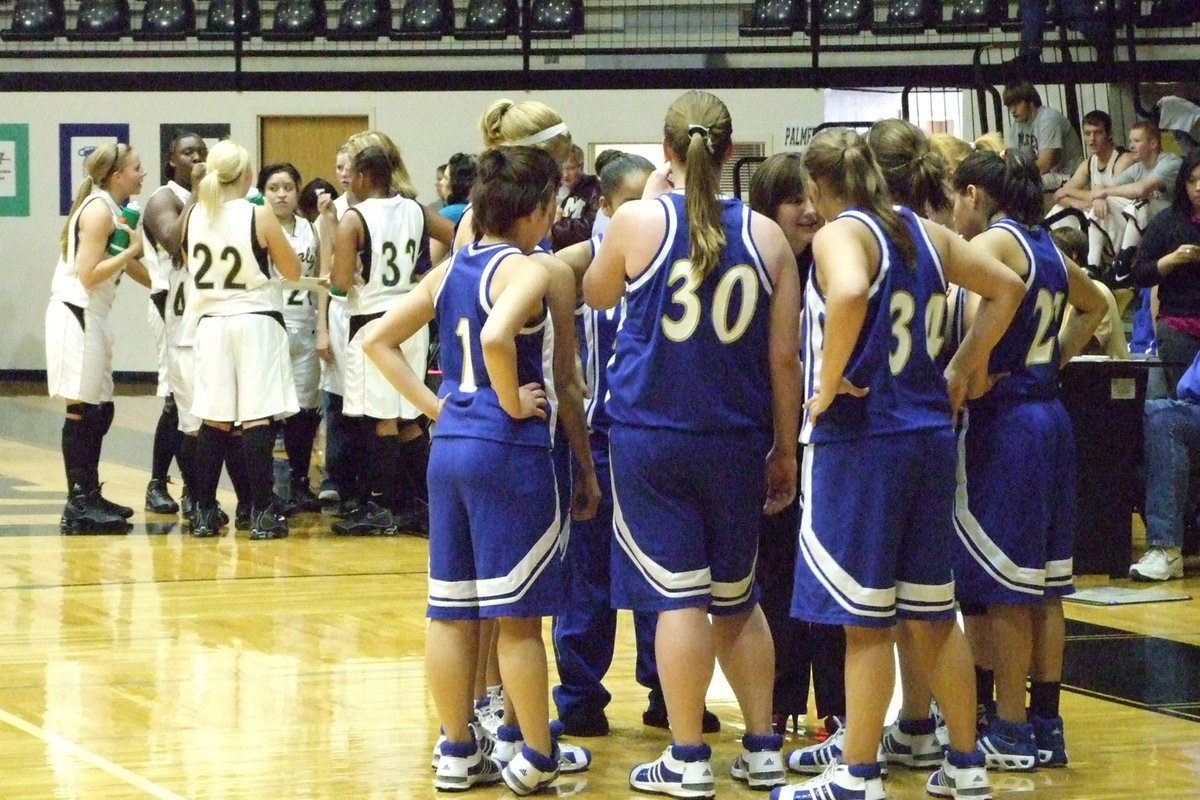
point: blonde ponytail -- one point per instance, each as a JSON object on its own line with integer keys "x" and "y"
{"x": 698, "y": 130}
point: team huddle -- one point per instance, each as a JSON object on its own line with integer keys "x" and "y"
{"x": 615, "y": 418}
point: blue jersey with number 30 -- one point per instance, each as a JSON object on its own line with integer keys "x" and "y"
{"x": 1027, "y": 354}
{"x": 897, "y": 351}
{"x": 462, "y": 306}
{"x": 692, "y": 354}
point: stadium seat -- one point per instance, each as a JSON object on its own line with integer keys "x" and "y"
{"x": 363, "y": 20}
{"x": 168, "y": 19}
{"x": 490, "y": 19}
{"x": 974, "y": 16}
{"x": 102, "y": 19}
{"x": 845, "y": 16}
{"x": 909, "y": 16}
{"x": 426, "y": 19}
{"x": 556, "y": 18}
{"x": 37, "y": 20}
{"x": 298, "y": 20}
{"x": 776, "y": 18}
{"x": 221, "y": 20}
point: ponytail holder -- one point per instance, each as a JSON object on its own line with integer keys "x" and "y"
{"x": 703, "y": 131}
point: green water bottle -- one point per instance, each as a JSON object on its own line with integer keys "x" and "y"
{"x": 256, "y": 197}
{"x": 119, "y": 240}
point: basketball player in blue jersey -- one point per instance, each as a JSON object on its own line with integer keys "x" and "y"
{"x": 702, "y": 392}
{"x": 161, "y": 230}
{"x": 585, "y": 630}
{"x": 242, "y": 370}
{"x": 878, "y": 471}
{"x": 1015, "y": 514}
{"x": 495, "y": 534}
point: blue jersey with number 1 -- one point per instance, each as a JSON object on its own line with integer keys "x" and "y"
{"x": 462, "y": 305}
{"x": 692, "y": 353}
{"x": 898, "y": 348}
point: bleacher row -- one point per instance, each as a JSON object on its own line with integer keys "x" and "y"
{"x": 39, "y": 20}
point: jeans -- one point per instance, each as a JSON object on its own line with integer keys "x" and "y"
{"x": 1172, "y": 441}
{"x": 1095, "y": 28}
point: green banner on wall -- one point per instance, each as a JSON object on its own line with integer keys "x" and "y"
{"x": 14, "y": 170}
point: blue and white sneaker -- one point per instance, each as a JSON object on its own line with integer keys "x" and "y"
{"x": 509, "y": 742}
{"x": 681, "y": 771}
{"x": 1009, "y": 746}
{"x": 962, "y": 776}
{"x": 1051, "y": 745}
{"x": 839, "y": 782}
{"x": 530, "y": 772}
{"x": 760, "y": 764}
{"x": 463, "y": 765}
{"x": 816, "y": 758}
{"x": 912, "y": 743}
{"x": 486, "y": 745}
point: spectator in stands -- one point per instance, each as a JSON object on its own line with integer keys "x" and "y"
{"x": 1104, "y": 163}
{"x": 1169, "y": 258}
{"x": 1135, "y": 195}
{"x": 579, "y": 200}
{"x": 1109, "y": 338}
{"x": 1045, "y": 132}
{"x": 1171, "y": 429}
{"x": 1095, "y": 28}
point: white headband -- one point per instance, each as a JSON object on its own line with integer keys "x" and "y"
{"x": 542, "y": 135}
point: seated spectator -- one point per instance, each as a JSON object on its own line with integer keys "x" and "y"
{"x": 1045, "y": 133}
{"x": 1169, "y": 258}
{"x": 579, "y": 200}
{"x": 1171, "y": 429}
{"x": 1135, "y": 195}
{"x": 1082, "y": 17}
{"x": 1109, "y": 337}
{"x": 1100, "y": 168}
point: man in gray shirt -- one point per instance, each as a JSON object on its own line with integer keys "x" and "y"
{"x": 1135, "y": 196}
{"x": 1045, "y": 133}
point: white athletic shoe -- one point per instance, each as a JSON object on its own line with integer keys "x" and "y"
{"x": 761, "y": 768}
{"x": 914, "y": 750}
{"x": 1158, "y": 564}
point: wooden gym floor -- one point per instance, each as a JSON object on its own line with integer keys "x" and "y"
{"x": 156, "y": 665}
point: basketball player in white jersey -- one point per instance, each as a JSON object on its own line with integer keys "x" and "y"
{"x": 376, "y": 250}
{"x": 161, "y": 252}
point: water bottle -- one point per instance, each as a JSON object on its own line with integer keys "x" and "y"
{"x": 119, "y": 240}
{"x": 256, "y": 197}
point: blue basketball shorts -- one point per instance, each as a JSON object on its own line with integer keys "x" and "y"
{"x": 876, "y": 530}
{"x": 495, "y": 533}
{"x": 1015, "y": 508}
{"x": 686, "y": 513}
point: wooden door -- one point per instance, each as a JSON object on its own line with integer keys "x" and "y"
{"x": 309, "y": 143}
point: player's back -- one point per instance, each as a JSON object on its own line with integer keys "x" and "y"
{"x": 393, "y": 228}
{"x": 462, "y": 307}
{"x": 898, "y": 348}
{"x": 229, "y": 268}
{"x": 1027, "y": 354}
{"x": 692, "y": 353}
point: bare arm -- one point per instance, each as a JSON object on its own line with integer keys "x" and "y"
{"x": 162, "y": 221}
{"x": 1047, "y": 157}
{"x": 346, "y": 241}
{"x": 518, "y": 292}
{"x": 439, "y": 228}
{"x": 783, "y": 355}
{"x": 93, "y": 265}
{"x": 408, "y": 315}
{"x": 630, "y": 243}
{"x": 569, "y": 384}
{"x": 1000, "y": 291}
{"x": 1090, "y": 307}
{"x": 271, "y": 236}
{"x": 466, "y": 231}
{"x": 1076, "y": 187}
{"x": 578, "y": 257}
{"x": 844, "y": 258}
